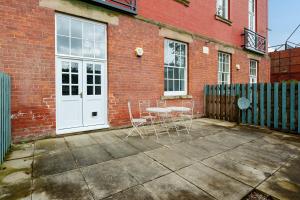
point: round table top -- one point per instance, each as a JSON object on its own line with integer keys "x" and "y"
{"x": 158, "y": 110}
{"x": 179, "y": 109}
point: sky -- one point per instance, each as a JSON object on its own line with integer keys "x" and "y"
{"x": 284, "y": 17}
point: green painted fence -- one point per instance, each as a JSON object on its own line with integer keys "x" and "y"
{"x": 5, "y": 113}
{"x": 276, "y": 106}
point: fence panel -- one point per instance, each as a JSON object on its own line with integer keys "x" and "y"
{"x": 276, "y": 106}
{"x": 5, "y": 113}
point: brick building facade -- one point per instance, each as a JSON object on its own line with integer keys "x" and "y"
{"x": 36, "y": 34}
{"x": 285, "y": 65}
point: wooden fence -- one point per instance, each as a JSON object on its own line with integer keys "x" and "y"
{"x": 276, "y": 106}
{"x": 5, "y": 123}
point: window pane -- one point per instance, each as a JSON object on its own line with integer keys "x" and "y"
{"x": 65, "y": 78}
{"x": 90, "y": 79}
{"x": 62, "y": 25}
{"x": 90, "y": 90}
{"x": 88, "y": 31}
{"x": 172, "y": 47}
{"x": 100, "y": 33}
{"x": 88, "y": 48}
{"x": 182, "y": 86}
{"x": 177, "y": 48}
{"x": 170, "y": 85}
{"x": 181, "y": 73}
{"x": 97, "y": 79}
{"x": 74, "y": 67}
{"x": 176, "y": 85}
{"x": 74, "y": 78}
{"x": 89, "y": 68}
{"x": 176, "y": 73}
{"x": 100, "y": 50}
{"x": 74, "y": 90}
{"x": 98, "y": 90}
{"x": 63, "y": 45}
{"x": 76, "y": 28}
{"x": 166, "y": 85}
{"x": 65, "y": 67}
{"x": 183, "y": 50}
{"x": 170, "y": 73}
{"x": 76, "y": 47}
{"x": 65, "y": 90}
{"x": 166, "y": 72}
{"x": 97, "y": 69}
{"x": 177, "y": 61}
{"x": 182, "y": 62}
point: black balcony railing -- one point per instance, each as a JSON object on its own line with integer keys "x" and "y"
{"x": 127, "y": 6}
{"x": 254, "y": 42}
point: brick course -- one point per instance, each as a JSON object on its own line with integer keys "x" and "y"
{"x": 27, "y": 51}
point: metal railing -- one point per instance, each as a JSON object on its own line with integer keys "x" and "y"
{"x": 5, "y": 123}
{"x": 128, "y": 6}
{"x": 254, "y": 42}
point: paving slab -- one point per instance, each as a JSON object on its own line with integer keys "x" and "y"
{"x": 171, "y": 187}
{"x": 90, "y": 155}
{"x": 20, "y": 189}
{"x": 143, "y": 144}
{"x": 135, "y": 193}
{"x": 143, "y": 168}
{"x": 243, "y": 173}
{"x": 169, "y": 158}
{"x": 21, "y": 151}
{"x": 215, "y": 183}
{"x": 105, "y": 137}
{"x": 50, "y": 164}
{"x": 48, "y": 146}
{"x": 284, "y": 184}
{"x": 228, "y": 139}
{"x": 80, "y": 140}
{"x": 120, "y": 149}
{"x": 248, "y": 132}
{"x": 68, "y": 185}
{"x": 199, "y": 149}
{"x": 23, "y": 163}
{"x": 167, "y": 140}
{"x": 108, "y": 178}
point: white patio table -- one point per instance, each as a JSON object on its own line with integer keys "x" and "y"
{"x": 179, "y": 109}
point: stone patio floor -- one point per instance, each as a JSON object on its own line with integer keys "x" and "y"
{"x": 218, "y": 160}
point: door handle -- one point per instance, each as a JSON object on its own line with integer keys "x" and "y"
{"x": 80, "y": 94}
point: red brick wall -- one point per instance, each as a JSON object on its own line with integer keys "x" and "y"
{"x": 27, "y": 51}
{"x": 27, "y": 54}
{"x": 285, "y": 65}
{"x": 199, "y": 17}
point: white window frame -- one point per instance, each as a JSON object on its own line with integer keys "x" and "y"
{"x": 177, "y": 93}
{"x": 74, "y": 56}
{"x": 252, "y": 15}
{"x": 251, "y": 76}
{"x": 221, "y": 71}
{"x": 224, "y": 4}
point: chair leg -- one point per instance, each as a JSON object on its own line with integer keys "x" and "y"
{"x": 130, "y": 133}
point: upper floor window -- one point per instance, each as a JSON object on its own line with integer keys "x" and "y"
{"x": 224, "y": 68}
{"x": 252, "y": 15}
{"x": 223, "y": 8}
{"x": 253, "y": 71}
{"x": 80, "y": 38}
{"x": 175, "y": 68}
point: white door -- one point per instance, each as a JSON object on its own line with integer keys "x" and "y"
{"x": 94, "y": 93}
{"x": 69, "y": 87}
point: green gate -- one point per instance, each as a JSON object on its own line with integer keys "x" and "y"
{"x": 5, "y": 113}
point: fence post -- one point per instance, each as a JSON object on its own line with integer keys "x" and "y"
{"x": 292, "y": 106}
{"x": 283, "y": 107}
{"x": 249, "y": 112}
{"x": 269, "y": 102}
{"x": 255, "y": 101}
{"x": 276, "y": 105}
{"x": 262, "y": 105}
{"x": 298, "y": 107}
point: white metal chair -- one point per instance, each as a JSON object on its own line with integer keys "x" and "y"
{"x": 144, "y": 114}
{"x": 136, "y": 123}
{"x": 187, "y": 116}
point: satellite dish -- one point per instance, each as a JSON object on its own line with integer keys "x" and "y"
{"x": 243, "y": 103}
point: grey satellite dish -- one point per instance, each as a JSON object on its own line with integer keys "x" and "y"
{"x": 243, "y": 103}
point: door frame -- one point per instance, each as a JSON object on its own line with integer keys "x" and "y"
{"x": 82, "y": 59}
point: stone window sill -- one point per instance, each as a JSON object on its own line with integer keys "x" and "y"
{"x": 176, "y": 97}
{"x": 226, "y": 21}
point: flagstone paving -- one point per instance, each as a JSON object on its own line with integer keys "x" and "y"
{"x": 217, "y": 160}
